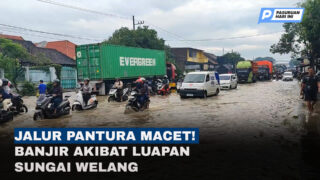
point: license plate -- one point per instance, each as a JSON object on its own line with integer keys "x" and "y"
{"x": 189, "y": 94}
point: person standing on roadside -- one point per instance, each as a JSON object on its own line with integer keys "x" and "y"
{"x": 310, "y": 87}
{"x": 42, "y": 89}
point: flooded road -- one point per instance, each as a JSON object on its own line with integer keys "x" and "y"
{"x": 262, "y": 129}
{"x": 252, "y": 109}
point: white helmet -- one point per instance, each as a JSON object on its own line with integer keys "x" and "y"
{"x": 143, "y": 79}
{"x": 1, "y": 82}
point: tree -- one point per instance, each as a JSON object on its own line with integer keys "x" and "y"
{"x": 10, "y": 53}
{"x": 230, "y": 58}
{"x": 142, "y": 37}
{"x": 271, "y": 59}
{"x": 294, "y": 62}
{"x": 10, "y": 56}
{"x": 302, "y": 39}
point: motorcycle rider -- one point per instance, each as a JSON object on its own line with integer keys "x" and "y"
{"x": 86, "y": 91}
{"x": 142, "y": 88}
{"x": 154, "y": 84}
{"x": 56, "y": 92}
{"x": 119, "y": 86}
{"x": 165, "y": 81}
{"x": 6, "y": 84}
{"x": 4, "y": 96}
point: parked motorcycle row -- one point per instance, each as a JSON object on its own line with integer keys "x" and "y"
{"x": 44, "y": 104}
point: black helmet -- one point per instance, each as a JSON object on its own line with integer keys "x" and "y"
{"x": 5, "y": 82}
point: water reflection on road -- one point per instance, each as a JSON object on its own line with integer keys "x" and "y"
{"x": 256, "y": 115}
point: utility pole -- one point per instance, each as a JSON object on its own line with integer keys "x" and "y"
{"x": 134, "y": 23}
{"x": 134, "y": 28}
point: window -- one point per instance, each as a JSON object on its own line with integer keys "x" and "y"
{"x": 207, "y": 78}
{"x": 194, "y": 78}
{"x": 192, "y": 53}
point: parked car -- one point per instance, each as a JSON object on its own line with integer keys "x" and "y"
{"x": 287, "y": 76}
{"x": 200, "y": 84}
{"x": 228, "y": 81}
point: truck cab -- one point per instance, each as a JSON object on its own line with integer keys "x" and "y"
{"x": 200, "y": 84}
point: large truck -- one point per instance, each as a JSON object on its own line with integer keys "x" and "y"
{"x": 265, "y": 69}
{"x": 102, "y": 63}
{"x": 247, "y": 71}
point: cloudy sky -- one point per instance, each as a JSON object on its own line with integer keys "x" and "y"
{"x": 175, "y": 20}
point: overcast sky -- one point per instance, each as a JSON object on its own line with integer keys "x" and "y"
{"x": 184, "y": 19}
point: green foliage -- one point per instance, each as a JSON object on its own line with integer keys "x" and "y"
{"x": 58, "y": 68}
{"x": 142, "y": 37}
{"x": 230, "y": 58}
{"x": 12, "y": 50}
{"x": 302, "y": 39}
{"x": 294, "y": 62}
{"x": 28, "y": 89}
{"x": 49, "y": 86}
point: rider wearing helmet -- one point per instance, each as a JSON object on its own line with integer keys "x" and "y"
{"x": 118, "y": 84}
{"x": 86, "y": 91}
{"x": 142, "y": 87}
{"x": 56, "y": 92}
{"x": 5, "y": 97}
{"x": 165, "y": 81}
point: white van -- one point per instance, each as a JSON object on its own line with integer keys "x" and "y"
{"x": 228, "y": 81}
{"x": 200, "y": 84}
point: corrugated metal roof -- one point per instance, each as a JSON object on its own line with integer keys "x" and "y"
{"x": 55, "y": 56}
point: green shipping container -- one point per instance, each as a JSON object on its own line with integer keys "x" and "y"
{"x": 105, "y": 61}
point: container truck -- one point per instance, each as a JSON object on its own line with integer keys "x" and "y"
{"x": 102, "y": 63}
{"x": 247, "y": 71}
{"x": 264, "y": 70}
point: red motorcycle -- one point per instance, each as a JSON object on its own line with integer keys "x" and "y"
{"x": 164, "y": 90}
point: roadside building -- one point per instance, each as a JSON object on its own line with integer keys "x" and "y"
{"x": 191, "y": 59}
{"x": 11, "y": 37}
{"x": 34, "y": 73}
{"x": 65, "y": 47}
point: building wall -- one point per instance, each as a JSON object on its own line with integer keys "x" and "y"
{"x": 196, "y": 56}
{"x": 65, "y": 47}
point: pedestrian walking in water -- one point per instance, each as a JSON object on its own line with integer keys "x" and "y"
{"x": 310, "y": 87}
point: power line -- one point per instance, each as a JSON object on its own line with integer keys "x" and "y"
{"x": 83, "y": 9}
{"x": 105, "y": 14}
{"x": 230, "y": 38}
{"x": 179, "y": 38}
{"x": 50, "y": 33}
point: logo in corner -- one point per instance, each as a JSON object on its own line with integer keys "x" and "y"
{"x": 281, "y": 15}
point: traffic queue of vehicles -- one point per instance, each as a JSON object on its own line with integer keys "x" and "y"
{"x": 102, "y": 64}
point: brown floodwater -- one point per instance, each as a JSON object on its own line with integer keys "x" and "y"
{"x": 261, "y": 129}
{"x": 252, "y": 109}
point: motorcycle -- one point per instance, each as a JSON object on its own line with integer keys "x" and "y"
{"x": 5, "y": 116}
{"x": 113, "y": 95}
{"x": 44, "y": 108}
{"x": 79, "y": 103}
{"x": 134, "y": 104}
{"x": 164, "y": 89}
{"x": 17, "y": 105}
